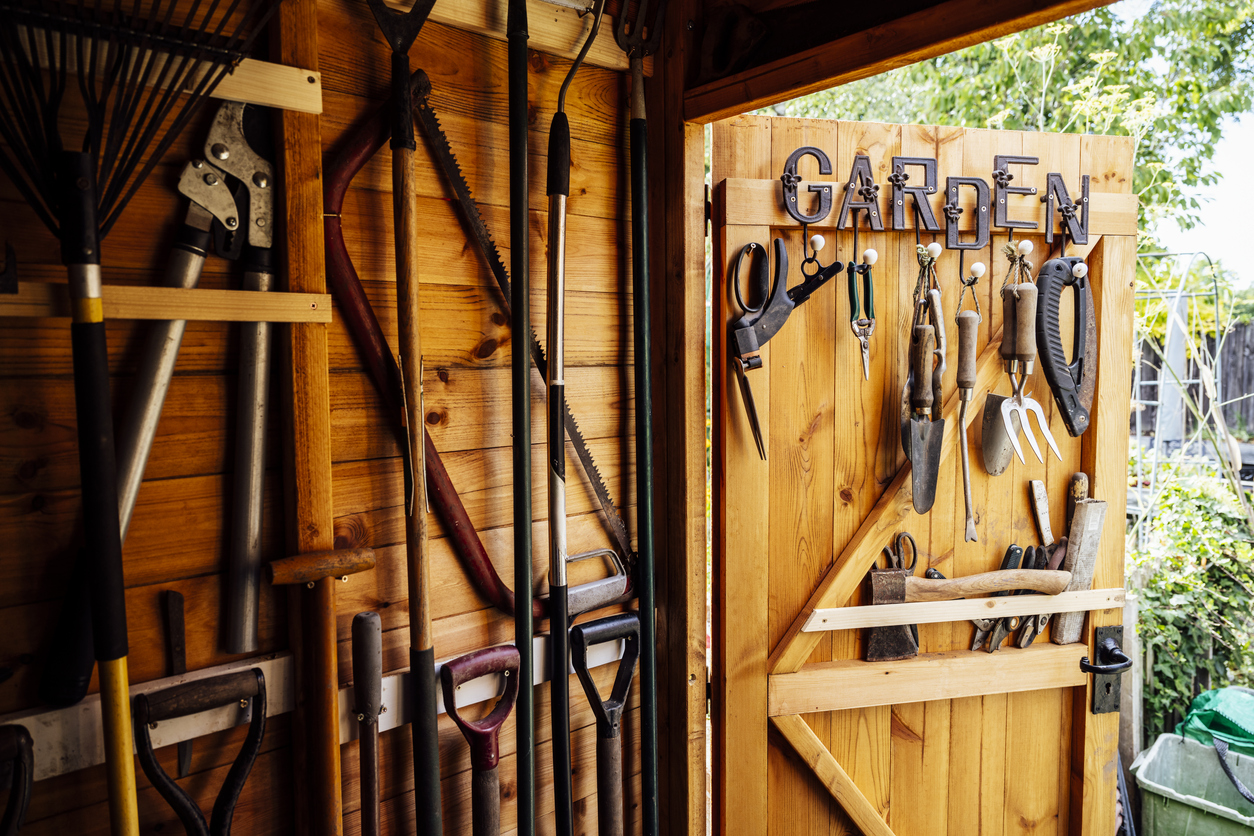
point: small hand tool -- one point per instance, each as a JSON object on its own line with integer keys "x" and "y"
{"x": 900, "y": 641}
{"x": 1074, "y": 383}
{"x": 481, "y": 735}
{"x": 1085, "y": 541}
{"x": 248, "y": 688}
{"x": 968, "y": 323}
{"x": 176, "y": 641}
{"x": 1003, "y": 627}
{"x": 862, "y": 319}
{"x": 8, "y": 277}
{"x": 923, "y": 427}
{"x": 984, "y": 626}
{"x": 1077, "y": 489}
{"x": 996, "y": 432}
{"x": 17, "y": 758}
{"x": 776, "y": 302}
{"x": 367, "y": 705}
{"x": 1048, "y": 556}
{"x": 609, "y": 712}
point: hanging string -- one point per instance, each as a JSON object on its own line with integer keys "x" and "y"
{"x": 1019, "y": 267}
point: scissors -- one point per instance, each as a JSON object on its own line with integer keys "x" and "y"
{"x": 760, "y": 322}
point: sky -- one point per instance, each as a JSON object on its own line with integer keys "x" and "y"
{"x": 1226, "y": 212}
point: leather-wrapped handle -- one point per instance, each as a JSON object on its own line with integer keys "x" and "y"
{"x": 1025, "y": 323}
{"x": 1008, "y": 322}
{"x": 941, "y": 349}
{"x": 922, "y": 343}
{"x": 482, "y": 734}
{"x": 201, "y": 695}
{"x": 367, "y": 664}
{"x": 1008, "y": 580}
{"x": 968, "y": 337}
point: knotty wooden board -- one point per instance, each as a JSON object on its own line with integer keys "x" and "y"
{"x": 177, "y": 539}
{"x": 798, "y": 532}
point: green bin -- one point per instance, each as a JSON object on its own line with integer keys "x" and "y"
{"x": 1184, "y": 791}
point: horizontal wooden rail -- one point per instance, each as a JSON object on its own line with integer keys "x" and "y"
{"x": 201, "y": 304}
{"x": 70, "y": 739}
{"x": 761, "y": 203}
{"x": 935, "y": 612}
{"x": 834, "y": 686}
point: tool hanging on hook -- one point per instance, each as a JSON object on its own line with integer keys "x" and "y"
{"x": 968, "y": 323}
{"x": 776, "y": 302}
{"x": 922, "y": 396}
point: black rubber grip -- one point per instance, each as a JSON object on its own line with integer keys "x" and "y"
{"x": 563, "y": 804}
{"x": 17, "y": 755}
{"x": 1054, "y": 278}
{"x": 192, "y": 239}
{"x": 258, "y": 260}
{"x": 559, "y": 155}
{"x": 426, "y": 741}
{"x": 71, "y": 656}
{"x": 201, "y": 695}
{"x": 80, "y": 234}
{"x": 367, "y": 664}
{"x": 626, "y": 626}
{"x": 557, "y": 430}
{"x": 402, "y": 103}
{"x": 98, "y": 467}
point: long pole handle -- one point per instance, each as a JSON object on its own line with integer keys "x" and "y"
{"x": 426, "y": 744}
{"x": 610, "y": 785}
{"x": 639, "y": 138}
{"x": 520, "y": 377}
{"x": 485, "y": 802}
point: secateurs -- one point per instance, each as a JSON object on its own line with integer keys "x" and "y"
{"x": 1072, "y": 383}
{"x": 776, "y": 301}
{"x": 922, "y": 398}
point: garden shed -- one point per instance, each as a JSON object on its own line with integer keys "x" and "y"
{"x": 339, "y": 290}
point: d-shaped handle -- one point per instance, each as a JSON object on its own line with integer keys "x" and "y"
{"x": 1111, "y": 659}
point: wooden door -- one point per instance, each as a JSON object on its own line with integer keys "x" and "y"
{"x": 807, "y": 737}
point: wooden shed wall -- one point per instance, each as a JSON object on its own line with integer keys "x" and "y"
{"x": 176, "y": 541}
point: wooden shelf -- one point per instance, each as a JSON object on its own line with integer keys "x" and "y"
{"x": 834, "y": 686}
{"x": 51, "y": 299}
{"x": 935, "y": 612}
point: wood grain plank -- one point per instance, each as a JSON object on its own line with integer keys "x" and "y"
{"x": 852, "y": 683}
{"x": 47, "y": 299}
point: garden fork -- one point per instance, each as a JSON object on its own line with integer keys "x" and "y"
{"x": 1020, "y": 364}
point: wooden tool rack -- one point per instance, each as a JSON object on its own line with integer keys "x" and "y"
{"x": 953, "y": 740}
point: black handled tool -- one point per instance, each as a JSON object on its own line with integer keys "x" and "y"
{"x": 862, "y": 320}
{"x": 1034, "y": 559}
{"x": 485, "y": 782}
{"x": 245, "y": 687}
{"x": 17, "y": 758}
{"x": 8, "y": 276}
{"x": 176, "y": 641}
{"x": 367, "y": 705}
{"x": 559, "y": 614}
{"x": 1074, "y": 383}
{"x": 609, "y": 712}
{"x": 775, "y": 303}
{"x": 984, "y": 626}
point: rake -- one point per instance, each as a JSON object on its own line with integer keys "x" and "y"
{"x": 141, "y": 68}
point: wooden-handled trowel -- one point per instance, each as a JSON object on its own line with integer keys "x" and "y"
{"x": 899, "y": 586}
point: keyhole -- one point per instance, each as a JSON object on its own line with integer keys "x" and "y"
{"x": 1108, "y": 689}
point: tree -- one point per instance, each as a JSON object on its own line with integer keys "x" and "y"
{"x": 1168, "y": 74}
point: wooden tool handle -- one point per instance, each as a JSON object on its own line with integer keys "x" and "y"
{"x": 1025, "y": 323}
{"x": 1008, "y": 320}
{"x": 922, "y": 343}
{"x": 926, "y": 589}
{"x": 968, "y": 336}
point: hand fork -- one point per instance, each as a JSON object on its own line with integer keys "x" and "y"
{"x": 1021, "y": 367}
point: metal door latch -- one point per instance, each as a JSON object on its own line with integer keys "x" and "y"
{"x": 1111, "y": 662}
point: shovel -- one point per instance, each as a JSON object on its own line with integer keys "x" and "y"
{"x": 923, "y": 432}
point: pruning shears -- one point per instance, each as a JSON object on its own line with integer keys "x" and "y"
{"x": 760, "y": 322}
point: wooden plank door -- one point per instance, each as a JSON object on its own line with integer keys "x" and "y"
{"x": 807, "y": 737}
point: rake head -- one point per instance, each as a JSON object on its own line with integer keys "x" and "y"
{"x": 141, "y": 68}
{"x": 639, "y": 35}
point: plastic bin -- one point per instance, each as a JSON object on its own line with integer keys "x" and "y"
{"x": 1184, "y": 792}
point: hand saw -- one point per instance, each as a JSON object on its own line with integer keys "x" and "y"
{"x": 482, "y": 237}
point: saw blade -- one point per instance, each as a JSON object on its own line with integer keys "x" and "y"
{"x": 478, "y": 230}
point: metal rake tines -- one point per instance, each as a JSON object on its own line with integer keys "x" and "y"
{"x": 638, "y": 35}
{"x": 141, "y": 67}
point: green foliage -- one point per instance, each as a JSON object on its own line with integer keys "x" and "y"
{"x": 1167, "y": 73}
{"x": 1211, "y": 314}
{"x": 1195, "y": 619}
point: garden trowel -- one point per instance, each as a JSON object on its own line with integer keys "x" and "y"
{"x": 922, "y": 430}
